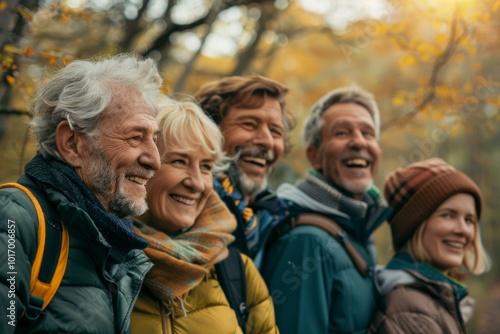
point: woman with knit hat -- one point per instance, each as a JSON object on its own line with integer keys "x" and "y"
{"x": 437, "y": 239}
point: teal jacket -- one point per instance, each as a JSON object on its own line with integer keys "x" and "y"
{"x": 95, "y": 296}
{"x": 314, "y": 284}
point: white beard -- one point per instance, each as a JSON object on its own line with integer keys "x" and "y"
{"x": 249, "y": 187}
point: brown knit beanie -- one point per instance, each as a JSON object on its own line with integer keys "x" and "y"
{"x": 416, "y": 191}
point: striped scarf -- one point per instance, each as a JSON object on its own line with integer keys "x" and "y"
{"x": 181, "y": 261}
{"x": 251, "y": 232}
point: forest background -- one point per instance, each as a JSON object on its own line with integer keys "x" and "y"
{"x": 433, "y": 67}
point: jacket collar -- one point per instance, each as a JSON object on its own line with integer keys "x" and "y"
{"x": 426, "y": 272}
{"x": 358, "y": 218}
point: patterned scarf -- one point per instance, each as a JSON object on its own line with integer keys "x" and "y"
{"x": 118, "y": 233}
{"x": 181, "y": 261}
{"x": 251, "y": 231}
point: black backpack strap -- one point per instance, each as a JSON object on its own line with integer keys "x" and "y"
{"x": 232, "y": 279}
{"x": 240, "y": 239}
{"x": 273, "y": 234}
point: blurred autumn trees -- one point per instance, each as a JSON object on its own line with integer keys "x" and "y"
{"x": 432, "y": 65}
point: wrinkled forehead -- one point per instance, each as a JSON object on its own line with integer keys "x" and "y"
{"x": 125, "y": 100}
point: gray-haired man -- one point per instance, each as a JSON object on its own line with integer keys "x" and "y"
{"x": 318, "y": 282}
{"x": 94, "y": 123}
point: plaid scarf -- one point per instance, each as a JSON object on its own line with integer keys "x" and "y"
{"x": 181, "y": 261}
{"x": 251, "y": 231}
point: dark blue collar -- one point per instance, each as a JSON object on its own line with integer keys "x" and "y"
{"x": 119, "y": 233}
{"x": 403, "y": 261}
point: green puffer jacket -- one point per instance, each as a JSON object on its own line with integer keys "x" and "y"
{"x": 207, "y": 310}
{"x": 95, "y": 296}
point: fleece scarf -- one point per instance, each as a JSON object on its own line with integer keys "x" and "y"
{"x": 317, "y": 194}
{"x": 182, "y": 260}
{"x": 118, "y": 233}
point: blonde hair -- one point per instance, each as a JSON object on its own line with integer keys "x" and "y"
{"x": 476, "y": 260}
{"x": 185, "y": 124}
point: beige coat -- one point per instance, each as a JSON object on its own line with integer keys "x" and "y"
{"x": 424, "y": 306}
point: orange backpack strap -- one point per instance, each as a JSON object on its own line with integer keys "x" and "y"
{"x": 337, "y": 232}
{"x": 46, "y": 275}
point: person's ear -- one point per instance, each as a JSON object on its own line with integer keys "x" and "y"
{"x": 314, "y": 156}
{"x": 68, "y": 144}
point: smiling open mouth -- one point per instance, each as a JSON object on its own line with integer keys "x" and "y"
{"x": 455, "y": 244}
{"x": 183, "y": 200}
{"x": 261, "y": 162}
{"x": 138, "y": 180}
{"x": 356, "y": 163}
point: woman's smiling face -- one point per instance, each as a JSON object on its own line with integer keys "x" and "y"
{"x": 178, "y": 192}
{"x": 449, "y": 231}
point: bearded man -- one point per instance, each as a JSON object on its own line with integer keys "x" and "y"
{"x": 94, "y": 124}
{"x": 251, "y": 113}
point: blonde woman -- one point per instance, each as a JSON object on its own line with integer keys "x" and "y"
{"x": 189, "y": 228}
{"x": 435, "y": 231}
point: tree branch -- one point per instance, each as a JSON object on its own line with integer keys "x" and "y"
{"x": 13, "y": 112}
{"x": 164, "y": 38}
{"x": 132, "y": 28}
{"x": 268, "y": 11}
{"x": 210, "y": 19}
{"x": 439, "y": 63}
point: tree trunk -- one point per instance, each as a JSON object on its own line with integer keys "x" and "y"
{"x": 268, "y": 11}
{"x": 210, "y": 19}
{"x": 12, "y": 37}
{"x": 132, "y": 29}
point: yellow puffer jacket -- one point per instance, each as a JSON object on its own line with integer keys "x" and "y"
{"x": 207, "y": 309}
